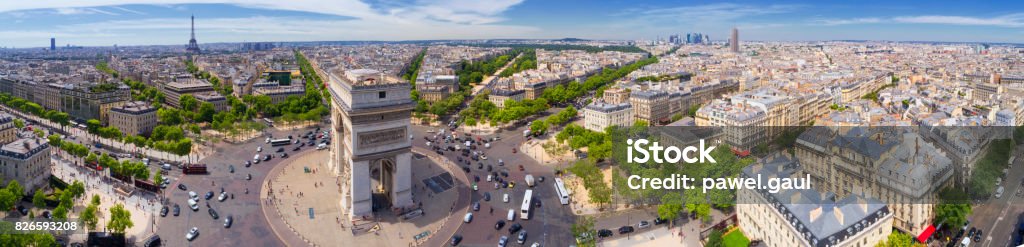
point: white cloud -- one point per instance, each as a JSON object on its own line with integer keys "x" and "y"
{"x": 836, "y": 22}
{"x": 1012, "y": 20}
{"x": 128, "y": 10}
{"x": 82, "y": 11}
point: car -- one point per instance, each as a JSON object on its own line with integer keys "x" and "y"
{"x": 182, "y": 187}
{"x": 163, "y": 211}
{"x": 223, "y": 196}
{"x": 521, "y": 239}
{"x": 284, "y": 155}
{"x": 971, "y": 232}
{"x": 604, "y": 233}
{"x": 209, "y": 195}
{"x": 487, "y": 196}
{"x": 231, "y": 169}
{"x": 659, "y": 221}
{"x": 490, "y": 168}
{"x": 177, "y": 210}
{"x": 228, "y": 221}
{"x": 977, "y": 236}
{"x": 46, "y": 214}
{"x": 468, "y": 218}
{"x": 267, "y": 157}
{"x": 456, "y": 239}
{"x": 514, "y": 150}
{"x": 153, "y": 241}
{"x": 515, "y": 227}
{"x": 643, "y": 224}
{"x": 248, "y": 163}
{"x": 506, "y": 198}
{"x": 484, "y": 157}
{"x": 535, "y": 244}
{"x": 23, "y": 210}
{"x": 213, "y": 213}
{"x": 295, "y": 149}
{"x": 503, "y": 241}
{"x": 490, "y": 178}
{"x": 476, "y": 206}
{"x": 521, "y": 168}
{"x": 192, "y": 233}
{"x": 193, "y": 205}
{"x": 193, "y": 195}
{"x": 248, "y": 176}
{"x": 259, "y": 149}
{"x": 280, "y": 150}
{"x": 625, "y": 229}
{"x": 498, "y": 225}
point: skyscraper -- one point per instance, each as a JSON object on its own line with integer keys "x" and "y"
{"x": 193, "y": 47}
{"x": 53, "y": 44}
{"x": 734, "y": 41}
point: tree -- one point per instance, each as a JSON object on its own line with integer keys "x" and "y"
{"x": 93, "y": 125}
{"x": 18, "y": 123}
{"x": 39, "y": 199}
{"x": 95, "y": 199}
{"x": 157, "y": 177}
{"x": 89, "y": 216}
{"x": 583, "y": 230}
{"x": 120, "y": 219}
{"x": 206, "y": 112}
{"x": 671, "y": 206}
{"x": 715, "y": 239}
{"x": 77, "y": 189}
{"x": 16, "y": 189}
{"x": 7, "y": 199}
{"x": 953, "y": 208}
{"x": 54, "y": 140}
{"x": 188, "y": 102}
{"x": 60, "y": 213}
{"x": 538, "y": 127}
{"x": 899, "y": 239}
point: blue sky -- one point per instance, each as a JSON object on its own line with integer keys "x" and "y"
{"x": 161, "y": 22}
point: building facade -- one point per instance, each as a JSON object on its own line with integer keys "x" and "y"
{"x": 599, "y": 115}
{"x": 134, "y": 118}
{"x": 27, "y": 161}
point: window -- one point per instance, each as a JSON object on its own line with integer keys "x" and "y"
{"x": 382, "y": 94}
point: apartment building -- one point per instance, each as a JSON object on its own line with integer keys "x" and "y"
{"x": 805, "y": 217}
{"x": 599, "y": 115}
{"x": 134, "y": 118}
{"x": 26, "y": 160}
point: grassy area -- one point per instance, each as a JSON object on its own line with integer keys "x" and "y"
{"x": 735, "y": 239}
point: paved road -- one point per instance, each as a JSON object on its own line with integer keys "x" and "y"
{"x": 250, "y": 224}
{"x": 997, "y": 217}
{"x": 549, "y": 223}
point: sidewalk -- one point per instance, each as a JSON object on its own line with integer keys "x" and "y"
{"x": 143, "y": 206}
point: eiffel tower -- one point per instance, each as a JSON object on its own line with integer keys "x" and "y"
{"x": 193, "y": 47}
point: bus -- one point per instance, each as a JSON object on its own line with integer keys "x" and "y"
{"x": 194, "y": 169}
{"x": 525, "y": 211}
{"x": 270, "y": 123}
{"x": 563, "y": 195}
{"x": 280, "y": 142}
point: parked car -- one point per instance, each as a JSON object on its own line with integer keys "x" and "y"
{"x": 228, "y": 221}
{"x": 456, "y": 239}
{"x": 223, "y": 196}
{"x": 213, "y": 213}
{"x": 182, "y": 187}
{"x": 521, "y": 239}
{"x": 503, "y": 241}
{"x": 625, "y": 229}
{"x": 514, "y": 228}
{"x": 163, "y": 211}
{"x": 498, "y": 225}
{"x": 643, "y": 224}
{"x": 192, "y": 233}
{"x": 231, "y": 169}
{"x": 659, "y": 221}
{"x": 468, "y": 218}
{"x": 209, "y": 195}
{"x": 604, "y": 233}
{"x": 476, "y": 206}
{"x": 177, "y": 210}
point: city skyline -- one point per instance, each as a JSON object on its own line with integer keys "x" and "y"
{"x": 165, "y": 22}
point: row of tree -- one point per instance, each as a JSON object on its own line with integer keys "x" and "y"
{"x": 562, "y": 94}
{"x": 540, "y": 127}
{"x": 526, "y": 61}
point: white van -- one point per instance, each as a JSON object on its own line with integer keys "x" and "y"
{"x": 321, "y": 146}
{"x": 193, "y": 205}
{"x": 511, "y": 214}
{"x": 468, "y": 218}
